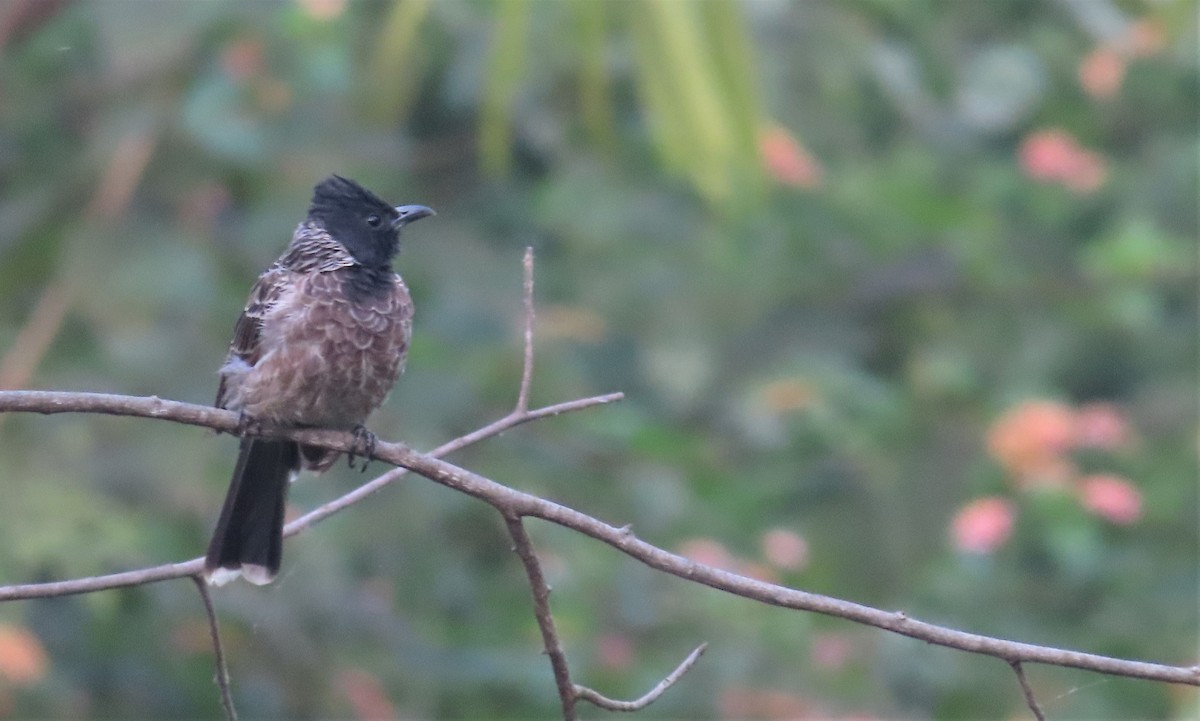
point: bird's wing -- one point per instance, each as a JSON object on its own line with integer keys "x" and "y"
{"x": 246, "y": 346}
{"x": 401, "y": 307}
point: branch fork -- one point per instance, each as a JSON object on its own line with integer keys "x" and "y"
{"x": 514, "y": 506}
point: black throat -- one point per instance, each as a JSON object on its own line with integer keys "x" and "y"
{"x": 363, "y": 282}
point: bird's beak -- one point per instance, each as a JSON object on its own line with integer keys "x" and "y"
{"x": 406, "y": 214}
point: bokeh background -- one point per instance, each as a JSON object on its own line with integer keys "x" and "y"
{"x": 902, "y": 295}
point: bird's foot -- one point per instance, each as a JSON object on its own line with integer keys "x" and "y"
{"x": 248, "y": 425}
{"x": 364, "y": 445}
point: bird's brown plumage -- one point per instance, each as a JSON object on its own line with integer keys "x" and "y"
{"x": 308, "y": 351}
{"x": 320, "y": 342}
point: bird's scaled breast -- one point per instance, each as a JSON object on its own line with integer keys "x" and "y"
{"x": 334, "y": 357}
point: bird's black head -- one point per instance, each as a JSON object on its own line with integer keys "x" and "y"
{"x": 360, "y": 220}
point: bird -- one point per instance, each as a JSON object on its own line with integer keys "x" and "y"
{"x": 320, "y": 343}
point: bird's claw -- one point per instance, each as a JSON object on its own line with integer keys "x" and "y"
{"x": 364, "y": 445}
{"x": 247, "y": 425}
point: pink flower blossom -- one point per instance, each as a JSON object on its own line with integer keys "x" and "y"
{"x": 785, "y": 549}
{"x": 1103, "y": 426}
{"x": 1111, "y": 497}
{"x": 1101, "y": 73}
{"x": 323, "y": 9}
{"x": 983, "y": 525}
{"x": 1047, "y": 154}
{"x": 757, "y": 571}
{"x": 708, "y": 551}
{"x": 1087, "y": 174}
{"x": 832, "y": 650}
{"x": 786, "y": 160}
{"x": 1054, "y": 156}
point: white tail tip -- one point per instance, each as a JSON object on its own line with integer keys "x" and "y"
{"x": 252, "y": 572}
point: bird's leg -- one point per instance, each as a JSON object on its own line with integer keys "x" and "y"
{"x": 247, "y": 425}
{"x": 364, "y": 445}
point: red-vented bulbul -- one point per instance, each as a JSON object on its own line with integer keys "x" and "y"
{"x": 320, "y": 343}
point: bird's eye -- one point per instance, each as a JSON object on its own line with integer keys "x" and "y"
{"x": 374, "y": 220}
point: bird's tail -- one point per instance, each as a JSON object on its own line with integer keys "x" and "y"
{"x": 249, "y": 535}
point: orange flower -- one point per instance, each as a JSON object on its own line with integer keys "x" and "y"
{"x": 1146, "y": 37}
{"x": 1031, "y": 441}
{"x": 22, "y": 657}
{"x": 786, "y": 160}
{"x": 983, "y": 525}
{"x": 789, "y": 394}
{"x": 1111, "y": 497}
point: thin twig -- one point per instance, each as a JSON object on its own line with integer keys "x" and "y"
{"x": 91, "y": 584}
{"x": 597, "y": 699}
{"x": 516, "y": 502}
{"x": 541, "y": 610}
{"x": 222, "y": 670}
{"x": 568, "y": 692}
{"x": 527, "y": 366}
{"x": 1028, "y": 690}
{"x": 492, "y": 429}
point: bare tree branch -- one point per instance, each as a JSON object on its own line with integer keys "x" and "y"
{"x": 91, "y": 584}
{"x": 570, "y": 692}
{"x": 222, "y": 670}
{"x": 50, "y": 402}
{"x": 541, "y": 610}
{"x": 514, "y": 502}
{"x": 1027, "y": 690}
{"x": 596, "y": 699}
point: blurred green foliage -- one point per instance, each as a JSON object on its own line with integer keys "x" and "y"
{"x": 822, "y": 246}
